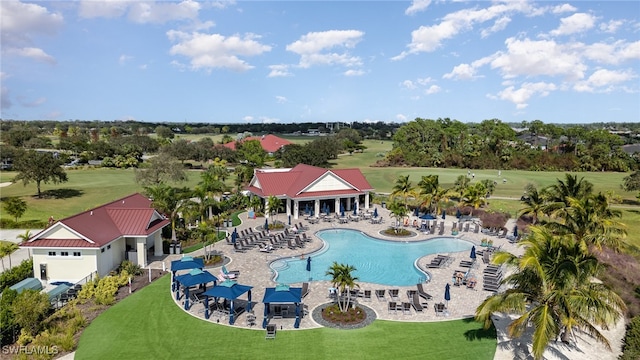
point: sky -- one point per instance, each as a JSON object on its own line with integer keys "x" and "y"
{"x": 321, "y": 61}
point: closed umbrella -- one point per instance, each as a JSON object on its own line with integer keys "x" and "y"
{"x": 355, "y": 209}
{"x": 473, "y": 252}
{"x": 458, "y": 214}
{"x": 415, "y": 212}
{"x": 341, "y": 210}
{"x": 444, "y": 214}
{"x": 375, "y": 212}
{"x": 309, "y": 266}
{"x": 234, "y": 237}
{"x": 266, "y": 224}
{"x": 447, "y": 293}
{"x": 515, "y": 231}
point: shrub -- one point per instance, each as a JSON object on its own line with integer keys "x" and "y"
{"x": 16, "y": 274}
{"x": 130, "y": 268}
{"x": 631, "y": 344}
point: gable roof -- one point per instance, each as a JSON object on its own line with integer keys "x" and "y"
{"x": 128, "y": 216}
{"x": 270, "y": 143}
{"x": 306, "y": 181}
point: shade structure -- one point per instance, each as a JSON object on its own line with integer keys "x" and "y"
{"x": 472, "y": 254}
{"x": 375, "y": 212}
{"x": 229, "y": 290}
{"x": 192, "y": 278}
{"x": 282, "y": 294}
{"x": 447, "y": 293}
{"x": 427, "y": 217}
{"x": 186, "y": 263}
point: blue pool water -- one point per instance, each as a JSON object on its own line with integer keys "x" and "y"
{"x": 376, "y": 261}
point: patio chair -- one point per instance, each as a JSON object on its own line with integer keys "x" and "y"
{"x": 305, "y": 289}
{"x": 229, "y": 274}
{"x": 392, "y": 306}
{"x": 277, "y": 312}
{"x": 394, "y": 293}
{"x": 440, "y": 309}
{"x": 423, "y": 294}
{"x": 380, "y": 295}
{"x": 271, "y": 331}
{"x": 415, "y": 302}
{"x": 367, "y": 295}
{"x": 406, "y": 308}
{"x": 251, "y": 319}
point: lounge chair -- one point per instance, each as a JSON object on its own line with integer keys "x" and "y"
{"x": 380, "y": 295}
{"x": 415, "y": 302}
{"x": 406, "y": 308}
{"x": 229, "y": 274}
{"x": 394, "y": 293}
{"x": 305, "y": 289}
{"x": 271, "y": 332}
{"x": 423, "y": 294}
{"x": 251, "y": 319}
{"x": 440, "y": 309}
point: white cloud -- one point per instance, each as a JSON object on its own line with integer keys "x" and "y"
{"x": 521, "y": 96}
{"x": 603, "y": 78}
{"x": 417, "y": 6}
{"x": 424, "y": 81}
{"x": 352, "y": 72}
{"x": 248, "y": 118}
{"x": 315, "y": 48}
{"x": 123, "y": 59}
{"x": 32, "y": 53}
{"x": 141, "y": 11}
{"x": 31, "y": 103}
{"x": 433, "y": 89}
{"x": 563, "y": 8}
{"x": 543, "y": 57}
{"x": 612, "y": 53}
{"x": 612, "y": 26}
{"x": 268, "y": 120}
{"x": 430, "y": 38}
{"x": 279, "y": 71}
{"x": 575, "y": 23}
{"x": 409, "y": 85}
{"x": 461, "y": 72}
{"x": 281, "y": 99}
{"x": 209, "y": 51}
{"x": 401, "y": 117}
{"x": 498, "y": 25}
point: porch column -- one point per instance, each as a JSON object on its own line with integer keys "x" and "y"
{"x": 366, "y": 200}
{"x": 296, "y": 209}
{"x": 288, "y": 206}
{"x": 157, "y": 244}
{"x": 348, "y": 204}
{"x": 337, "y": 205}
{"x": 141, "y": 248}
{"x": 316, "y": 208}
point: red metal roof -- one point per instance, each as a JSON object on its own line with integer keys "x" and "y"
{"x": 270, "y": 143}
{"x": 291, "y": 183}
{"x": 129, "y": 216}
{"x": 60, "y": 243}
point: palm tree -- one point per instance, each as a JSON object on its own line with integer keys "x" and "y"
{"x": 557, "y": 195}
{"x": 403, "y": 188}
{"x": 274, "y": 204}
{"x": 534, "y": 203}
{"x": 169, "y": 201}
{"x": 398, "y": 211}
{"x": 428, "y": 188}
{"x": 552, "y": 291}
{"x": 461, "y": 184}
{"x": 6, "y": 248}
{"x": 474, "y": 196}
{"x": 255, "y": 202}
{"x": 343, "y": 280}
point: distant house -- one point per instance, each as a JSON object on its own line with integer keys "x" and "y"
{"x": 311, "y": 188}
{"x": 98, "y": 240}
{"x": 270, "y": 143}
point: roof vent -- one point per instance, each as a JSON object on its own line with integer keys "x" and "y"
{"x": 91, "y": 213}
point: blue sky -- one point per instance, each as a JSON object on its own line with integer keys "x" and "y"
{"x": 304, "y": 61}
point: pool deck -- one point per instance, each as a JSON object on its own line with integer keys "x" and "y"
{"x": 254, "y": 271}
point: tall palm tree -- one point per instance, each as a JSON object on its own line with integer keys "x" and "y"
{"x": 557, "y": 195}
{"x": 552, "y": 291}
{"x": 534, "y": 203}
{"x": 398, "y": 211}
{"x": 169, "y": 201}
{"x": 428, "y": 186}
{"x": 275, "y": 205}
{"x": 474, "y": 196}
{"x": 342, "y": 279}
{"x": 6, "y": 248}
{"x": 403, "y": 188}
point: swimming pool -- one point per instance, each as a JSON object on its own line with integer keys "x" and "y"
{"x": 376, "y": 261}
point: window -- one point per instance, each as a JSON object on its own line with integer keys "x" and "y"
{"x": 108, "y": 246}
{"x": 102, "y": 250}
{"x": 76, "y": 253}
{"x": 52, "y": 253}
{"x": 64, "y": 253}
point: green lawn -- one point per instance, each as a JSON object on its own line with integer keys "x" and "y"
{"x": 149, "y": 325}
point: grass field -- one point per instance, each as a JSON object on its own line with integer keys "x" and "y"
{"x": 148, "y": 324}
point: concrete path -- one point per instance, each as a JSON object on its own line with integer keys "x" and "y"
{"x": 19, "y": 255}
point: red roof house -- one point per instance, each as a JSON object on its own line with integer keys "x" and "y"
{"x": 270, "y": 143}
{"x": 308, "y": 187}
{"x": 96, "y": 241}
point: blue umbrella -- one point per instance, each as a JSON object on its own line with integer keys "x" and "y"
{"x": 289, "y": 220}
{"x": 444, "y": 214}
{"x": 266, "y": 224}
{"x": 306, "y": 208}
{"x": 234, "y": 237}
{"x": 427, "y": 217}
{"x": 447, "y": 293}
{"x": 415, "y": 212}
{"x": 375, "y": 212}
{"x": 473, "y": 252}
{"x": 355, "y": 209}
{"x": 458, "y": 214}
{"x": 309, "y": 263}
{"x": 515, "y": 231}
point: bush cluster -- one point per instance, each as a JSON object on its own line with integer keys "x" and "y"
{"x": 16, "y": 274}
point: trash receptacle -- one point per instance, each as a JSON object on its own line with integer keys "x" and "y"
{"x": 178, "y": 249}
{"x": 172, "y": 248}
{"x": 384, "y": 205}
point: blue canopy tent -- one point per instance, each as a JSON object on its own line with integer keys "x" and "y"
{"x": 427, "y": 217}
{"x": 282, "y": 294}
{"x": 229, "y": 290}
{"x": 192, "y": 278}
{"x": 186, "y": 263}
